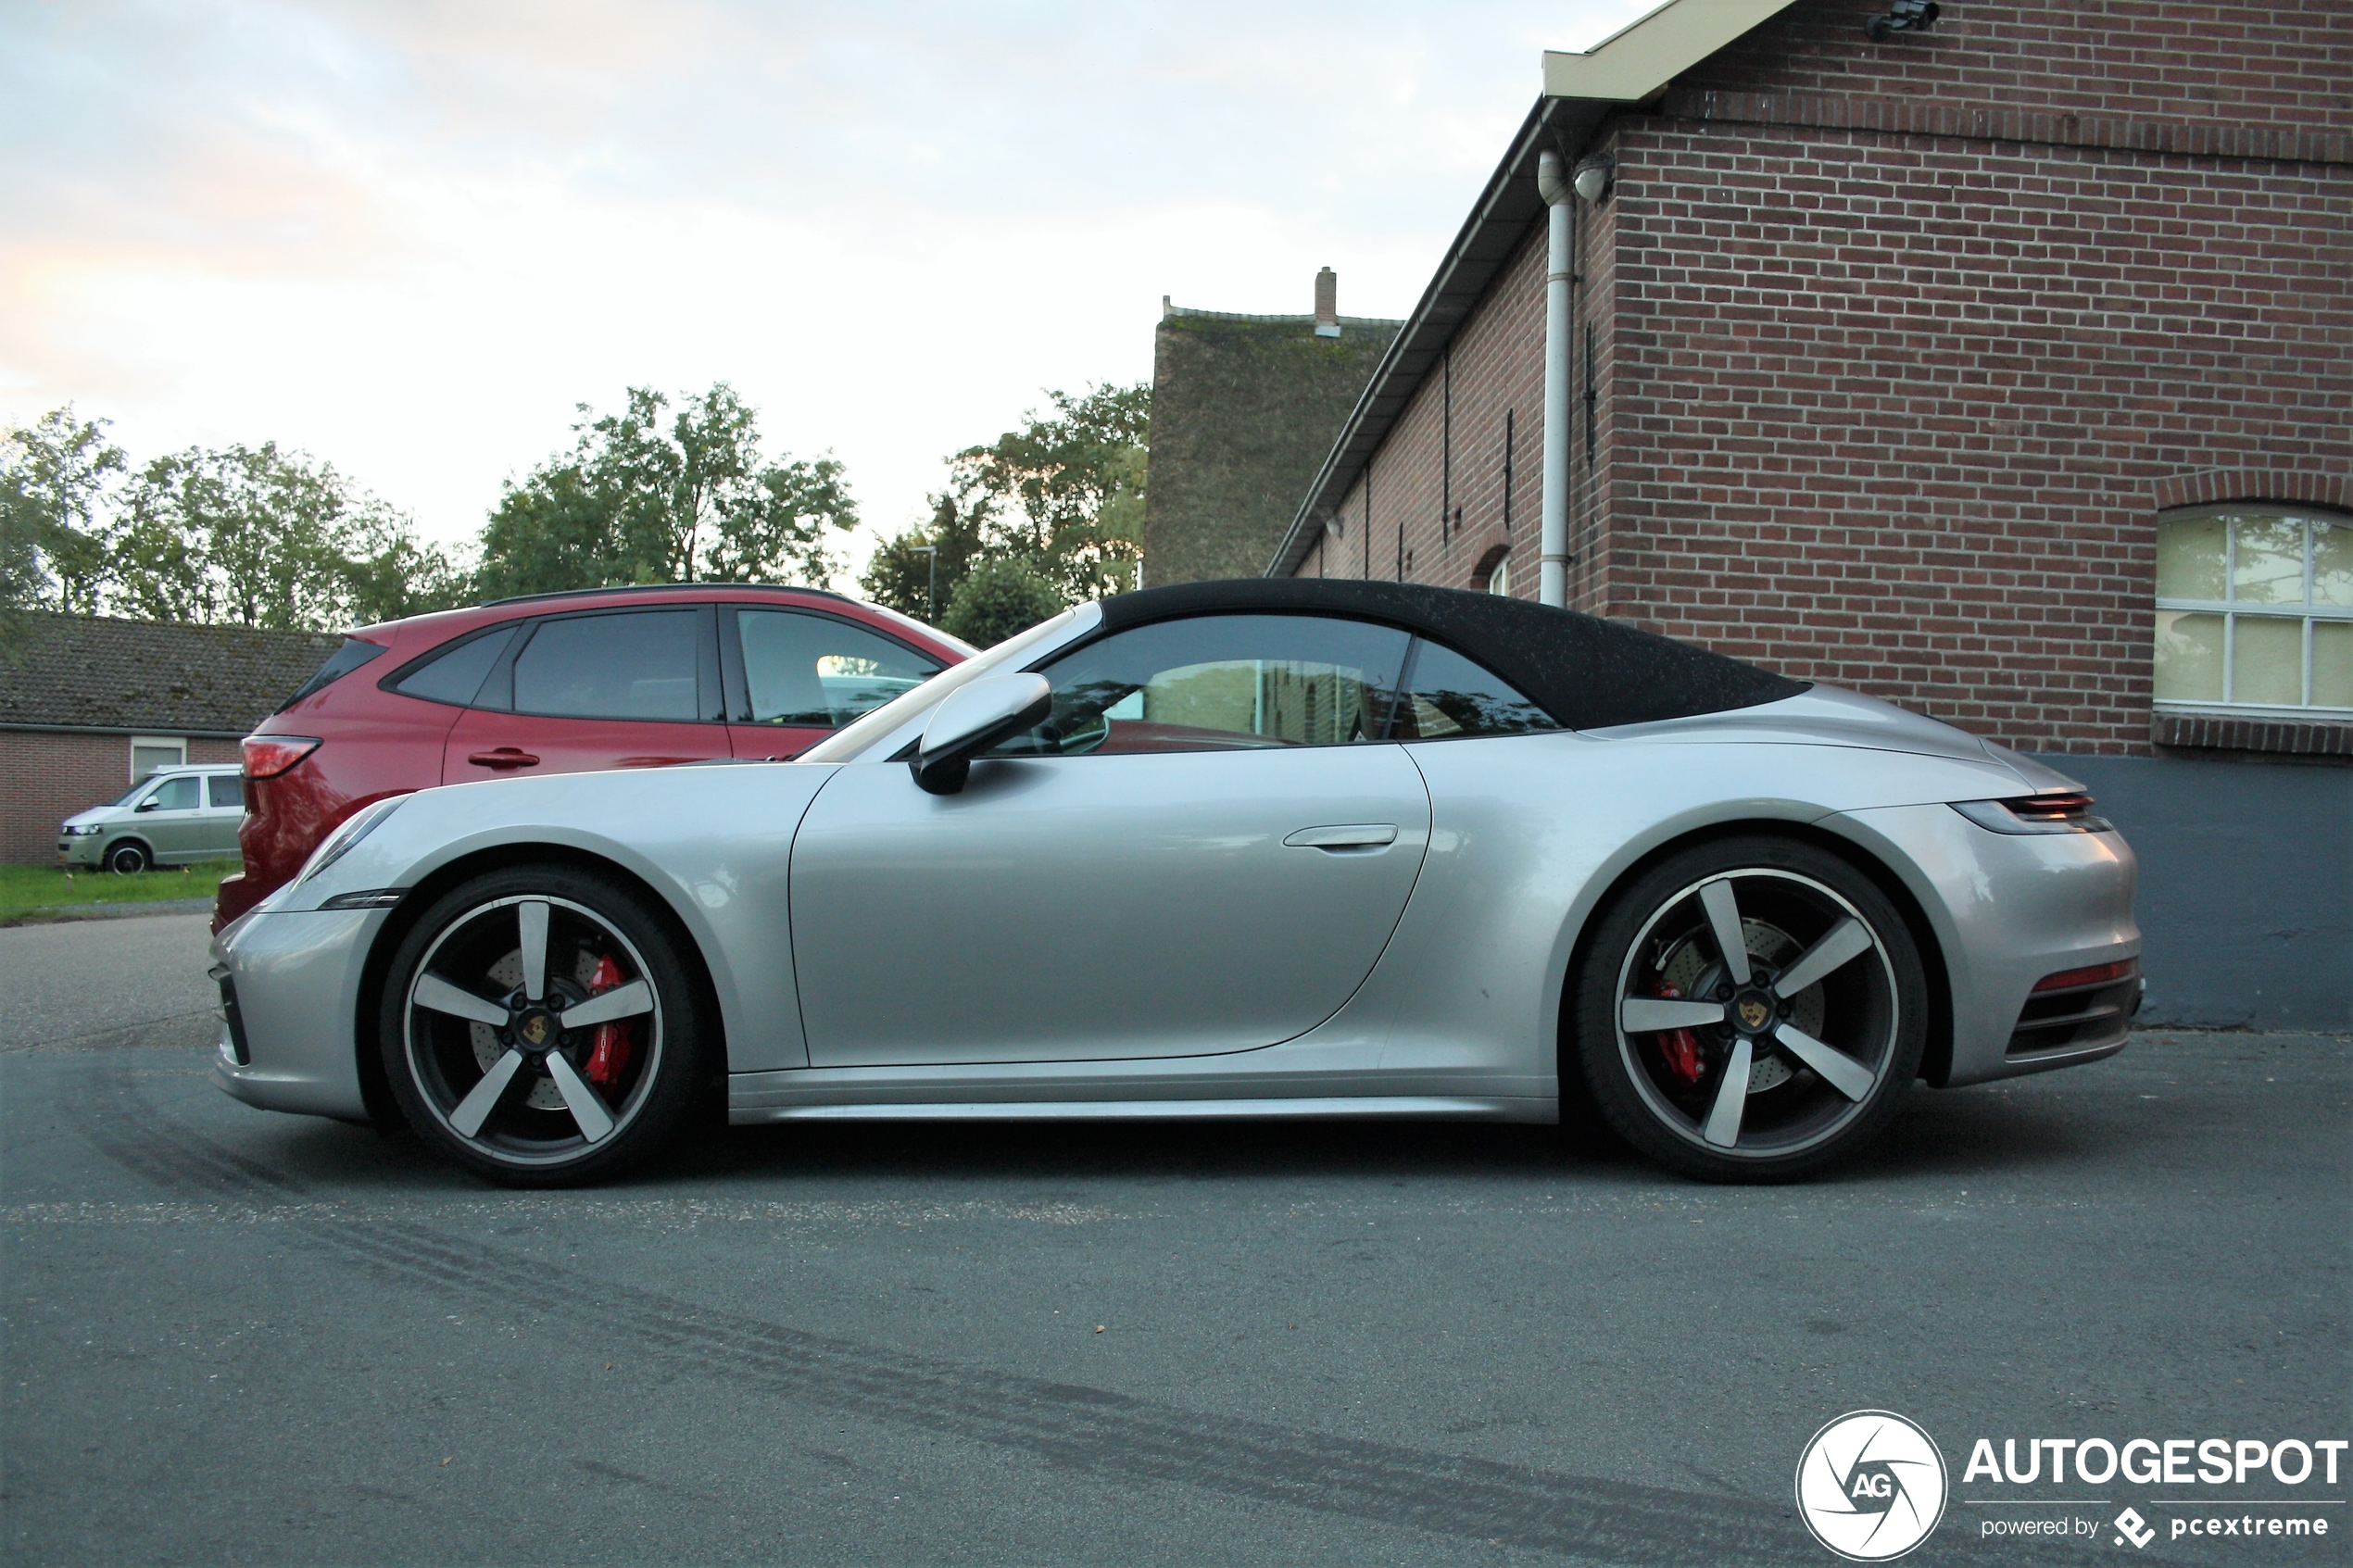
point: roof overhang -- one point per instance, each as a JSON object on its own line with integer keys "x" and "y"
{"x": 1637, "y": 62}
{"x": 1580, "y": 91}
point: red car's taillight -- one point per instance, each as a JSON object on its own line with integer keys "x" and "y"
{"x": 267, "y": 756}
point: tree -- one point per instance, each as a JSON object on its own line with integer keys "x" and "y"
{"x": 20, "y": 575}
{"x": 918, "y": 572}
{"x": 647, "y": 497}
{"x": 388, "y": 574}
{"x": 998, "y": 598}
{"x": 1077, "y": 482}
{"x": 1061, "y": 496}
{"x": 253, "y": 536}
{"x": 56, "y": 474}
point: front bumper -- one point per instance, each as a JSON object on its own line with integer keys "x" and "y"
{"x": 2009, "y": 910}
{"x": 81, "y": 850}
{"x": 293, "y": 979}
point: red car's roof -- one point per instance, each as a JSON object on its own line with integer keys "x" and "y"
{"x": 441, "y": 626}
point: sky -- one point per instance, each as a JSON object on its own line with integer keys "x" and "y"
{"x": 410, "y": 239}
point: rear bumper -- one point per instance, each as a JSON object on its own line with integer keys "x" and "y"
{"x": 2009, "y": 910}
{"x": 295, "y": 978}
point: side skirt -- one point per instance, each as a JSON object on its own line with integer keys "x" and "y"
{"x": 1444, "y": 1108}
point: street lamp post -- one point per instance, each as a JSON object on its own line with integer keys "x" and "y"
{"x": 932, "y": 597}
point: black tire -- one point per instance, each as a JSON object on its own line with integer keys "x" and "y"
{"x": 1667, "y": 1090}
{"x": 535, "y": 1133}
{"x": 128, "y": 858}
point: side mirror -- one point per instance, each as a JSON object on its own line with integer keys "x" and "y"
{"x": 149, "y": 803}
{"x": 971, "y": 720}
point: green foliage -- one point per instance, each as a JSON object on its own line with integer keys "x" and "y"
{"x": 1061, "y": 498}
{"x": 240, "y": 536}
{"x": 55, "y": 475}
{"x": 647, "y": 497}
{"x": 1070, "y": 488}
{"x": 902, "y": 574}
{"x": 998, "y": 597}
{"x": 253, "y": 536}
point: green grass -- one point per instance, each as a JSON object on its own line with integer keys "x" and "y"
{"x": 24, "y": 888}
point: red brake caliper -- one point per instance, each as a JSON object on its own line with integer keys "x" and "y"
{"x": 608, "y": 1057}
{"x": 1679, "y": 1046}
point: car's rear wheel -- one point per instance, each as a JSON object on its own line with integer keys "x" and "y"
{"x": 1750, "y": 1009}
{"x": 126, "y": 858}
{"x": 541, "y": 1025}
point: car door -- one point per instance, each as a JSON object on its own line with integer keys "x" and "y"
{"x": 172, "y": 818}
{"x": 1205, "y": 848}
{"x": 224, "y": 810}
{"x": 635, "y": 687}
{"x": 794, "y": 676}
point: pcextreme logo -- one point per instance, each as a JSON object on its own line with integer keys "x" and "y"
{"x": 1870, "y": 1486}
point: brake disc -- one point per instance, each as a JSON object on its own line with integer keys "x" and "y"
{"x": 1693, "y": 969}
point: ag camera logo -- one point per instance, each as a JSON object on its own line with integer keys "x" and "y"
{"x": 1870, "y": 1486}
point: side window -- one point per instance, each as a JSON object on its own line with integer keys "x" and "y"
{"x": 816, "y": 671}
{"x": 1222, "y": 683}
{"x": 1447, "y": 696}
{"x": 456, "y": 676}
{"x": 227, "y": 792}
{"x": 176, "y": 795}
{"x": 638, "y": 664}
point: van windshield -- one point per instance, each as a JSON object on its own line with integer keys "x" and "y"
{"x": 133, "y": 793}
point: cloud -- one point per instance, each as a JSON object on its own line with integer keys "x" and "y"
{"x": 410, "y": 238}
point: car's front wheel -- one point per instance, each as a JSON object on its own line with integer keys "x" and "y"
{"x": 128, "y": 858}
{"x": 1750, "y": 1009}
{"x": 541, "y": 1025}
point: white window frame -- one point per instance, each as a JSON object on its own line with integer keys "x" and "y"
{"x": 2305, "y": 612}
{"x": 156, "y": 743}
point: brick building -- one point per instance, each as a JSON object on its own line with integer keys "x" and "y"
{"x": 90, "y": 706}
{"x": 1999, "y": 368}
{"x": 1243, "y": 410}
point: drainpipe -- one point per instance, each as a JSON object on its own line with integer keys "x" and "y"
{"x": 1552, "y": 183}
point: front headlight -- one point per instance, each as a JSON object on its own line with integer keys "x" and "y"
{"x": 84, "y": 830}
{"x": 357, "y": 826}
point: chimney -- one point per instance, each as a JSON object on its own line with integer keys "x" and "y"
{"x": 1328, "y": 303}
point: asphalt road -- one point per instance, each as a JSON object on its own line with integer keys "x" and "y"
{"x": 229, "y": 1336}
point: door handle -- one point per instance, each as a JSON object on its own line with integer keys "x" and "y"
{"x": 1349, "y": 835}
{"x": 504, "y": 756}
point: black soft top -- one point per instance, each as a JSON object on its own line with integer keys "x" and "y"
{"x": 1586, "y": 672}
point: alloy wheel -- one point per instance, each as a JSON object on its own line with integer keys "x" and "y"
{"x": 1757, "y": 1014}
{"x": 532, "y": 1030}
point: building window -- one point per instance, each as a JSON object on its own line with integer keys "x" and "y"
{"x": 2255, "y": 610}
{"x": 1500, "y": 580}
{"x": 151, "y": 752}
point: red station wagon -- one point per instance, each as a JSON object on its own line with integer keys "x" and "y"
{"x": 560, "y": 683}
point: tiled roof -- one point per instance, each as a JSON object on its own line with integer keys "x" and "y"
{"x": 81, "y": 671}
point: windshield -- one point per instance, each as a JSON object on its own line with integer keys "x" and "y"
{"x": 844, "y": 745}
{"x": 133, "y": 793}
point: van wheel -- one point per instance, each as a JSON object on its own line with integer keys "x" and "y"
{"x": 126, "y": 858}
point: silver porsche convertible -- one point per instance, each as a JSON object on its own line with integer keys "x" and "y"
{"x": 1226, "y": 849}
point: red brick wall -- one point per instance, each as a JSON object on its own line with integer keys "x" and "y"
{"x": 1890, "y": 395}
{"x": 2281, "y": 67}
{"x": 47, "y": 775}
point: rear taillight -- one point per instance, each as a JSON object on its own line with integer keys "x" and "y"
{"x": 2098, "y": 974}
{"x": 267, "y": 756}
{"x": 2057, "y": 811}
